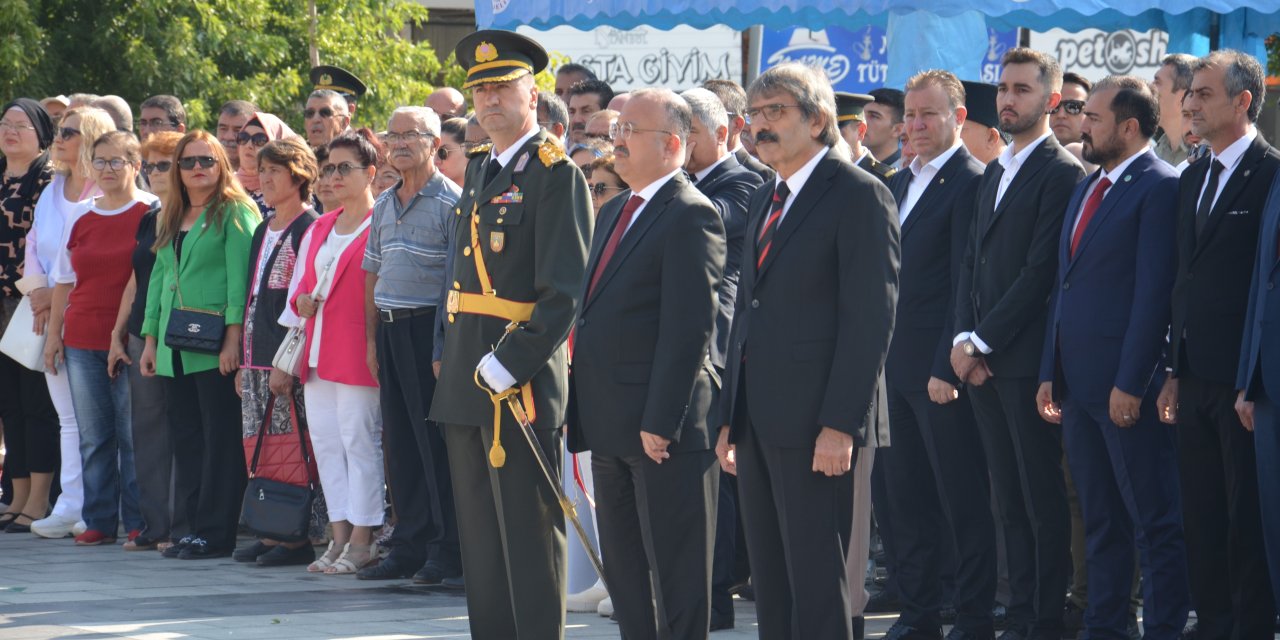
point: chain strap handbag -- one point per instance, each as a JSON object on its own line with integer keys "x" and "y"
{"x": 190, "y": 329}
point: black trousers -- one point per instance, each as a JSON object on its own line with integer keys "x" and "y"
{"x": 1024, "y": 457}
{"x": 797, "y": 525}
{"x": 512, "y": 533}
{"x": 205, "y": 430}
{"x": 936, "y": 477}
{"x": 417, "y": 462}
{"x": 30, "y": 422}
{"x": 657, "y": 531}
{"x": 1222, "y": 521}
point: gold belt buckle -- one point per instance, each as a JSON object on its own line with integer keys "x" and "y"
{"x": 451, "y": 302}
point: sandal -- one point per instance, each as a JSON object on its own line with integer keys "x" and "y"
{"x": 331, "y": 555}
{"x": 7, "y": 518}
{"x": 14, "y": 527}
{"x": 354, "y": 558}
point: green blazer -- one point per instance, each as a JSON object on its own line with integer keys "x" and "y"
{"x": 214, "y": 274}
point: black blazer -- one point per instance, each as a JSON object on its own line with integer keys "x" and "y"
{"x": 754, "y": 165}
{"x": 934, "y": 237}
{"x": 814, "y": 321}
{"x": 1011, "y": 260}
{"x": 261, "y": 343}
{"x": 1211, "y": 293}
{"x": 729, "y": 187}
{"x": 641, "y": 339}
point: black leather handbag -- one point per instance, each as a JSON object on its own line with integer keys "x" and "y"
{"x": 274, "y": 509}
{"x": 194, "y": 330}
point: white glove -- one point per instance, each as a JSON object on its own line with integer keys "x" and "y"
{"x": 495, "y": 375}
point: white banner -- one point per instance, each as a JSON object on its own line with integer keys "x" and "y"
{"x": 1097, "y": 54}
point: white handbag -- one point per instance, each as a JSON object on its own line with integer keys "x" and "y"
{"x": 288, "y": 357}
{"x": 20, "y": 342}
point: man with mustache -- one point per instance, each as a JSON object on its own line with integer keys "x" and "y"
{"x": 404, "y": 260}
{"x": 325, "y": 117}
{"x": 584, "y": 99}
{"x": 1001, "y": 310}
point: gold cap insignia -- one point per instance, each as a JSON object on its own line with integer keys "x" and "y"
{"x": 326, "y": 79}
{"x": 486, "y": 52}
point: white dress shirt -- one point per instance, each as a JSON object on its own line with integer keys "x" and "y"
{"x": 698, "y": 176}
{"x": 505, "y": 157}
{"x": 1230, "y": 159}
{"x": 646, "y": 194}
{"x": 1114, "y": 176}
{"x": 1013, "y": 162}
{"x": 796, "y": 182}
{"x": 921, "y": 175}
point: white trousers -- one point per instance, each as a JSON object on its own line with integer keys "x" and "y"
{"x": 346, "y": 434}
{"x": 860, "y": 534}
{"x": 71, "y": 500}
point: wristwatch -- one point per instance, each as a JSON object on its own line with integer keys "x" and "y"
{"x": 970, "y": 349}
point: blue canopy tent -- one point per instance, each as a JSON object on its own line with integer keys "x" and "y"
{"x": 938, "y": 33}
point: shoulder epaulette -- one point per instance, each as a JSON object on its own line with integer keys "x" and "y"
{"x": 551, "y": 153}
{"x": 479, "y": 149}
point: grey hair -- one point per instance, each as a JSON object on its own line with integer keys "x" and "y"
{"x": 119, "y": 111}
{"x": 331, "y": 96}
{"x": 1240, "y": 72}
{"x": 679, "y": 115}
{"x": 1184, "y": 65}
{"x": 707, "y": 108}
{"x": 426, "y": 117}
{"x": 811, "y": 91}
{"x": 554, "y": 108}
{"x": 81, "y": 99}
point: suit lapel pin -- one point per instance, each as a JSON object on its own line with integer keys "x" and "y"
{"x": 1247, "y": 172}
{"x": 942, "y": 180}
{"x": 1128, "y": 177}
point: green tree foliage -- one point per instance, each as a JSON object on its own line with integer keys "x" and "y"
{"x": 209, "y": 51}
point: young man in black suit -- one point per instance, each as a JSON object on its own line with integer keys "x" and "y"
{"x": 729, "y": 186}
{"x": 810, "y": 331}
{"x": 1001, "y": 311}
{"x": 641, "y": 379}
{"x": 936, "y": 479}
{"x": 1220, "y": 208}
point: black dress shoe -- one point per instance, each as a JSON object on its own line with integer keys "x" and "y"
{"x": 251, "y": 552}
{"x": 201, "y": 549}
{"x": 962, "y": 634}
{"x": 430, "y": 574}
{"x": 1072, "y": 620}
{"x": 859, "y": 627}
{"x": 282, "y": 556}
{"x": 720, "y": 622}
{"x": 177, "y": 548}
{"x": 884, "y": 601}
{"x": 901, "y": 631}
{"x": 389, "y": 568}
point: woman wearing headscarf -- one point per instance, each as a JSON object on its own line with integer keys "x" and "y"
{"x": 72, "y": 187}
{"x": 256, "y": 133}
{"x": 29, "y": 419}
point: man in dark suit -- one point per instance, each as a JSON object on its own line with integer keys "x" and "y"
{"x": 1001, "y": 309}
{"x": 729, "y": 186}
{"x": 853, "y": 128}
{"x": 1220, "y": 208}
{"x": 641, "y": 382}
{"x": 734, "y": 98}
{"x": 1099, "y": 373}
{"x": 936, "y": 478}
{"x": 810, "y": 331}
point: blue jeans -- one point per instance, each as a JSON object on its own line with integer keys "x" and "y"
{"x": 103, "y": 411}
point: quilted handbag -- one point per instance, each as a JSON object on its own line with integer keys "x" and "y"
{"x": 194, "y": 330}
{"x": 277, "y": 501}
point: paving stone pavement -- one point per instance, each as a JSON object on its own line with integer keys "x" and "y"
{"x": 53, "y": 589}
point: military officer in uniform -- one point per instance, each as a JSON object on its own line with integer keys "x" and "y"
{"x": 518, "y": 263}
{"x": 853, "y": 128}
{"x": 329, "y": 77}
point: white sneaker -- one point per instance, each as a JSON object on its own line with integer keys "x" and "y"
{"x": 587, "y": 601}
{"x": 79, "y": 528}
{"x": 606, "y": 608}
{"x": 55, "y": 526}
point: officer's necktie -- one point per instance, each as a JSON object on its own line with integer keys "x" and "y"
{"x": 1210, "y": 192}
{"x": 765, "y": 241}
{"x": 491, "y": 171}
{"x": 606, "y": 254}
{"x": 1090, "y": 207}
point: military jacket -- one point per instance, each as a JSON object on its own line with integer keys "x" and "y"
{"x": 876, "y": 168}
{"x": 533, "y": 228}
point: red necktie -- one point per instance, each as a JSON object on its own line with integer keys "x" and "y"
{"x": 1090, "y": 207}
{"x": 765, "y": 241}
{"x": 624, "y": 220}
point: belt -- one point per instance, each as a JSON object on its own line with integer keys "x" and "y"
{"x": 480, "y": 304}
{"x": 395, "y": 315}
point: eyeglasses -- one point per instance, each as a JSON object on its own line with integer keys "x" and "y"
{"x": 16, "y": 126}
{"x": 596, "y": 136}
{"x": 771, "y": 112}
{"x": 471, "y": 146}
{"x": 323, "y": 112}
{"x": 1072, "y": 107}
{"x": 150, "y": 167}
{"x": 406, "y": 137}
{"x": 116, "y": 164}
{"x": 258, "y": 139}
{"x": 67, "y": 133}
{"x": 623, "y": 130}
{"x": 156, "y": 123}
{"x": 343, "y": 169}
{"x": 188, "y": 163}
{"x": 601, "y": 188}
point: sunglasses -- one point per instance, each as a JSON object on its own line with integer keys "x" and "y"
{"x": 323, "y": 112}
{"x": 188, "y": 163}
{"x": 67, "y": 133}
{"x": 343, "y": 169}
{"x": 151, "y": 167}
{"x": 444, "y": 152}
{"x": 601, "y": 188}
{"x": 258, "y": 139}
{"x": 1072, "y": 107}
